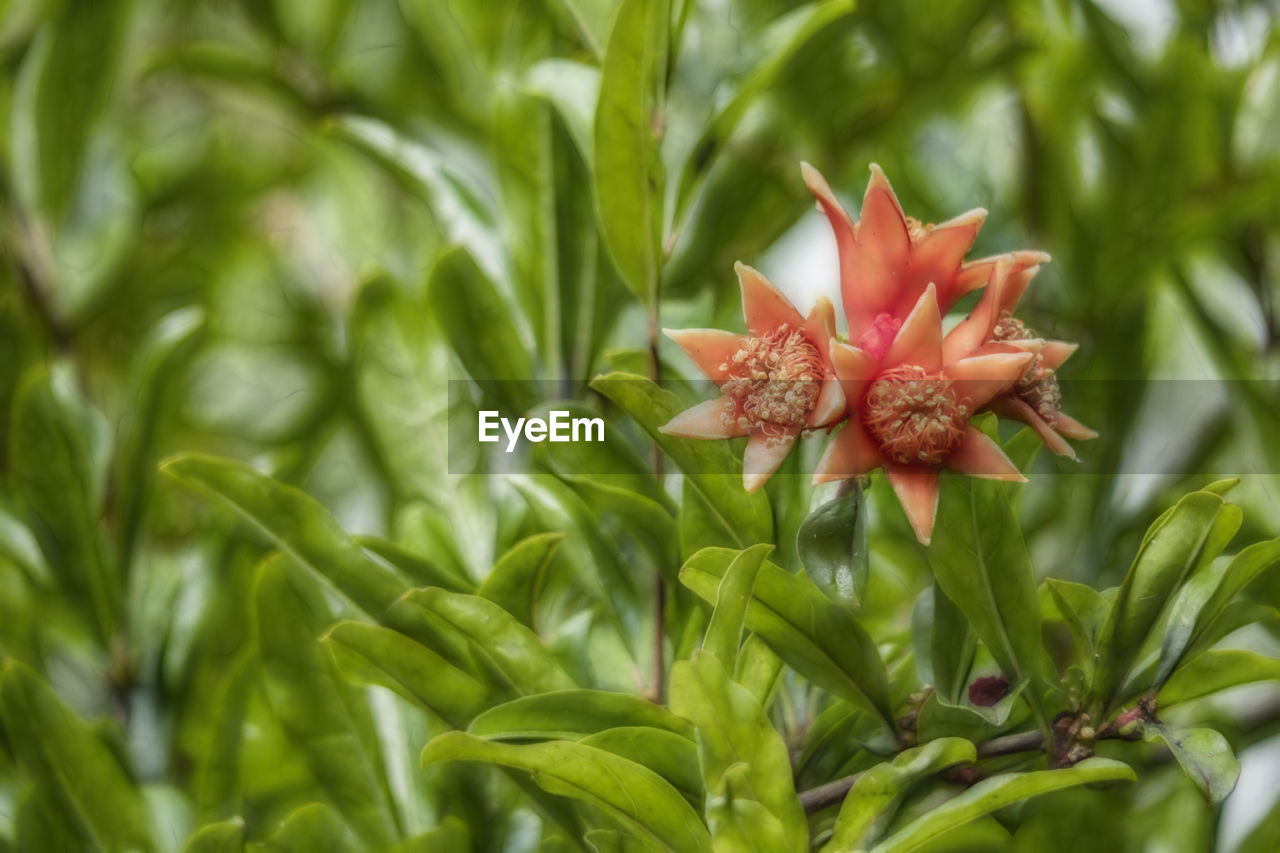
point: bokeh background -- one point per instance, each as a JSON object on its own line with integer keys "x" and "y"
{"x": 274, "y": 230}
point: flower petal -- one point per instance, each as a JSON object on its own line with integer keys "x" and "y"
{"x": 763, "y": 457}
{"x": 872, "y": 278}
{"x": 850, "y": 454}
{"x": 1054, "y": 353}
{"x": 1007, "y": 406}
{"x": 975, "y": 329}
{"x": 709, "y": 419}
{"x": 854, "y": 368}
{"x": 763, "y": 305}
{"x": 917, "y": 491}
{"x": 979, "y": 456}
{"x": 982, "y": 377}
{"x": 938, "y": 256}
{"x": 1072, "y": 428}
{"x": 830, "y": 405}
{"x": 820, "y": 325}
{"x": 919, "y": 341}
{"x": 708, "y": 348}
{"x": 974, "y": 274}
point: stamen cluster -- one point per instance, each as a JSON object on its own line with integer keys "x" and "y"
{"x": 1038, "y": 386}
{"x": 774, "y": 381}
{"x": 915, "y": 417}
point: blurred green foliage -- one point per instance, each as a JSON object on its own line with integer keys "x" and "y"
{"x": 271, "y": 230}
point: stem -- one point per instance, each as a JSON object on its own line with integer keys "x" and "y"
{"x": 660, "y": 591}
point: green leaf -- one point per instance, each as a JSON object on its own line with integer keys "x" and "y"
{"x": 369, "y": 654}
{"x": 69, "y": 763}
{"x": 734, "y": 732}
{"x": 833, "y": 548}
{"x": 628, "y": 164}
{"x": 979, "y": 560}
{"x": 58, "y": 452}
{"x": 779, "y": 43}
{"x": 640, "y": 800}
{"x": 477, "y": 322}
{"x": 611, "y": 841}
{"x": 223, "y": 837}
{"x": 573, "y": 89}
{"x": 816, "y": 637}
{"x": 417, "y": 569}
{"x": 672, "y": 756}
{"x": 451, "y": 835}
{"x": 1204, "y": 755}
{"x": 1171, "y": 549}
{"x": 1214, "y": 671}
{"x": 572, "y": 715}
{"x": 516, "y": 579}
{"x": 1085, "y": 610}
{"x": 709, "y": 466}
{"x": 297, "y": 523}
{"x": 324, "y": 721}
{"x": 944, "y": 643}
{"x": 513, "y": 649}
{"x": 724, "y": 633}
{"x": 873, "y": 798}
{"x": 312, "y": 827}
{"x": 996, "y": 793}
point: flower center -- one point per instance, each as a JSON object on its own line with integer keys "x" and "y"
{"x": 876, "y": 340}
{"x": 1038, "y": 385}
{"x": 774, "y": 380}
{"x": 918, "y": 230}
{"x": 915, "y": 417}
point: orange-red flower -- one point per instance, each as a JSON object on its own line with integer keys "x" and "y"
{"x": 775, "y": 381}
{"x": 1035, "y": 398}
{"x": 909, "y": 412}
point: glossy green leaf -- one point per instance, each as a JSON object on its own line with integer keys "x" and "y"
{"x": 297, "y": 523}
{"x": 816, "y": 637}
{"x": 724, "y": 633}
{"x": 612, "y": 841}
{"x": 628, "y": 166}
{"x": 419, "y": 570}
{"x": 873, "y": 798}
{"x": 943, "y": 641}
{"x": 369, "y": 654}
{"x": 979, "y": 560}
{"x": 223, "y": 837}
{"x": 833, "y": 548}
{"x": 1204, "y": 755}
{"x": 58, "y": 447}
{"x": 709, "y": 466}
{"x": 734, "y": 732}
{"x": 513, "y": 649}
{"x": 673, "y": 757}
{"x": 516, "y": 579}
{"x": 996, "y": 793}
{"x": 318, "y": 712}
{"x": 572, "y": 715}
{"x": 1214, "y": 671}
{"x": 573, "y": 89}
{"x": 1084, "y": 610}
{"x": 631, "y": 794}
{"x": 70, "y": 763}
{"x": 452, "y": 834}
{"x": 312, "y": 827}
{"x": 1172, "y": 548}
{"x": 477, "y": 322}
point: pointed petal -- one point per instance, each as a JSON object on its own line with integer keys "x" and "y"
{"x": 1054, "y": 353}
{"x": 850, "y": 453}
{"x": 763, "y": 305}
{"x": 762, "y": 458}
{"x": 979, "y": 456}
{"x": 975, "y": 329}
{"x": 820, "y": 325}
{"x": 708, "y": 348}
{"x": 1016, "y": 286}
{"x": 830, "y": 405}
{"x": 854, "y": 368}
{"x": 974, "y": 274}
{"x": 938, "y": 256}
{"x": 917, "y": 491}
{"x": 919, "y": 341}
{"x": 982, "y": 377}
{"x": 1015, "y": 409}
{"x": 709, "y": 419}
{"x": 872, "y": 281}
{"x": 1072, "y": 428}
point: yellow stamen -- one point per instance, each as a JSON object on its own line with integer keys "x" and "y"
{"x": 915, "y": 417}
{"x": 774, "y": 381}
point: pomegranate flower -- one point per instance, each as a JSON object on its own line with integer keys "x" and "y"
{"x": 1035, "y": 398}
{"x": 775, "y": 381}
{"x": 909, "y": 413}
{"x": 888, "y": 258}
